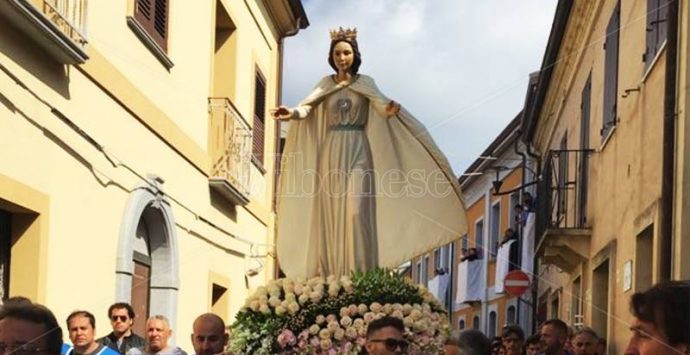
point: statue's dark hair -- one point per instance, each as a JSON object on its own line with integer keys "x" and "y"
{"x": 357, "y": 60}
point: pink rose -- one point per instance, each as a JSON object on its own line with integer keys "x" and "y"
{"x": 286, "y": 337}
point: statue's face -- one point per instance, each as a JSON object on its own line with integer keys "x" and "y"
{"x": 343, "y": 56}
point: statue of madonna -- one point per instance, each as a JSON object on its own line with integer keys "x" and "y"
{"x": 362, "y": 184}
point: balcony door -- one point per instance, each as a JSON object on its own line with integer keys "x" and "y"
{"x": 583, "y": 169}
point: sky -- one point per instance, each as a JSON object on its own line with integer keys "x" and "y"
{"x": 459, "y": 66}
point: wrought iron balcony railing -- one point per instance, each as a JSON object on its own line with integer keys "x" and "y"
{"x": 230, "y": 147}
{"x": 67, "y": 15}
{"x": 561, "y": 201}
{"x": 58, "y": 26}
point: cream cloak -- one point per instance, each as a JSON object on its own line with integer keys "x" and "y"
{"x": 418, "y": 200}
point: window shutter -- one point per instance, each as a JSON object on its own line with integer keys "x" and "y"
{"x": 651, "y": 31}
{"x": 259, "y": 118}
{"x": 611, "y": 72}
{"x": 152, "y": 15}
{"x": 662, "y": 23}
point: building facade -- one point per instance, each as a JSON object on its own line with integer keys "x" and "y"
{"x": 473, "y": 267}
{"x": 603, "y": 120}
{"x": 138, "y": 160}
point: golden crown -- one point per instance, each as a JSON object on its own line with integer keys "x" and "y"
{"x": 349, "y": 34}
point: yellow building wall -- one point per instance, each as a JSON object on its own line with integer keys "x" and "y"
{"x": 625, "y": 169}
{"x": 73, "y": 195}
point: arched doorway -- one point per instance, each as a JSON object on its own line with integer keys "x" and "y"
{"x": 147, "y": 259}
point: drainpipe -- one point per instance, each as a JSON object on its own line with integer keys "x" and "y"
{"x": 518, "y": 133}
{"x": 535, "y": 263}
{"x": 668, "y": 152}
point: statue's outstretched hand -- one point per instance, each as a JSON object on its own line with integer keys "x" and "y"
{"x": 282, "y": 113}
{"x": 392, "y": 108}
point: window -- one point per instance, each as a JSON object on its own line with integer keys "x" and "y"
{"x": 475, "y": 323}
{"x": 5, "y": 247}
{"x": 611, "y": 73}
{"x": 657, "y": 17}
{"x": 259, "y": 119}
{"x": 577, "y": 303}
{"x": 512, "y": 217}
{"x": 493, "y": 323}
{"x": 464, "y": 242}
{"x": 424, "y": 280}
{"x": 219, "y": 300}
{"x": 438, "y": 263}
{"x": 419, "y": 272}
{"x": 152, "y": 15}
{"x": 495, "y": 228}
{"x": 510, "y": 315}
{"x": 479, "y": 237}
{"x": 461, "y": 324}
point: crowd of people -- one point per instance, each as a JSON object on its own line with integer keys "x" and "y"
{"x": 660, "y": 326}
{"x": 28, "y": 328}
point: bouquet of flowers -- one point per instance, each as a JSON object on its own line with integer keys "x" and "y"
{"x": 330, "y": 315}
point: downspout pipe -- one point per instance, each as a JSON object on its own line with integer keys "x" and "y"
{"x": 669, "y": 140}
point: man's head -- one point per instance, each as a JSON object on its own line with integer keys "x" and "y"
{"x": 584, "y": 342}
{"x": 554, "y": 333}
{"x": 157, "y": 333}
{"x": 30, "y": 326}
{"x": 471, "y": 342}
{"x": 452, "y": 345}
{"x": 81, "y": 326}
{"x": 513, "y": 339}
{"x": 532, "y": 345}
{"x": 661, "y": 322}
{"x": 121, "y": 317}
{"x": 209, "y": 336}
{"x": 385, "y": 336}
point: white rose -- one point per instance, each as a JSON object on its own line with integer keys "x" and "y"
{"x": 320, "y": 319}
{"x": 303, "y": 299}
{"x": 274, "y": 301}
{"x": 375, "y": 307}
{"x": 314, "y": 329}
{"x": 264, "y": 309}
{"x": 280, "y": 310}
{"x": 346, "y": 321}
{"x": 339, "y": 334}
{"x": 333, "y": 326}
{"x": 362, "y": 308}
{"x": 324, "y": 334}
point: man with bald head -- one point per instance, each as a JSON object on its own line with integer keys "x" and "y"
{"x": 209, "y": 336}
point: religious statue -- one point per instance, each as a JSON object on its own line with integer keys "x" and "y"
{"x": 362, "y": 184}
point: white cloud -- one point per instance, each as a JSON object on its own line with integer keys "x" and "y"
{"x": 461, "y": 66}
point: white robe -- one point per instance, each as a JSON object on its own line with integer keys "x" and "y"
{"x": 418, "y": 203}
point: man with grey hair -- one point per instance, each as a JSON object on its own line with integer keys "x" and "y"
{"x": 468, "y": 342}
{"x": 585, "y": 342}
{"x": 158, "y": 333}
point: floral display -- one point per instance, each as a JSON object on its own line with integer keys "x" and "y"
{"x": 330, "y": 315}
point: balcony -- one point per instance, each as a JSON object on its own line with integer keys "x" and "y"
{"x": 230, "y": 147}
{"x": 562, "y": 232}
{"x": 58, "y": 26}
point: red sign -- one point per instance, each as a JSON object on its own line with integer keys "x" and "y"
{"x": 516, "y": 283}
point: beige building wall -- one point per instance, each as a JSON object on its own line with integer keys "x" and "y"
{"x": 624, "y": 168}
{"x": 144, "y": 127}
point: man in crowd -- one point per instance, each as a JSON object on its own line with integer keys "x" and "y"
{"x": 532, "y": 345}
{"x": 209, "y": 336}
{"x": 29, "y": 327}
{"x": 122, "y": 338}
{"x": 82, "y": 328}
{"x": 661, "y": 323}
{"x": 468, "y": 342}
{"x": 585, "y": 342}
{"x": 385, "y": 336}
{"x": 158, "y": 333}
{"x": 554, "y": 333}
{"x": 513, "y": 339}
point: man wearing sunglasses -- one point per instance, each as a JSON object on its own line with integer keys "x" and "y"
{"x": 385, "y": 336}
{"x": 122, "y": 338}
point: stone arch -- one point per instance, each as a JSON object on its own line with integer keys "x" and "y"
{"x": 146, "y": 204}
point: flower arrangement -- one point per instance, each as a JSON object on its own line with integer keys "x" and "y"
{"x": 330, "y": 315}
